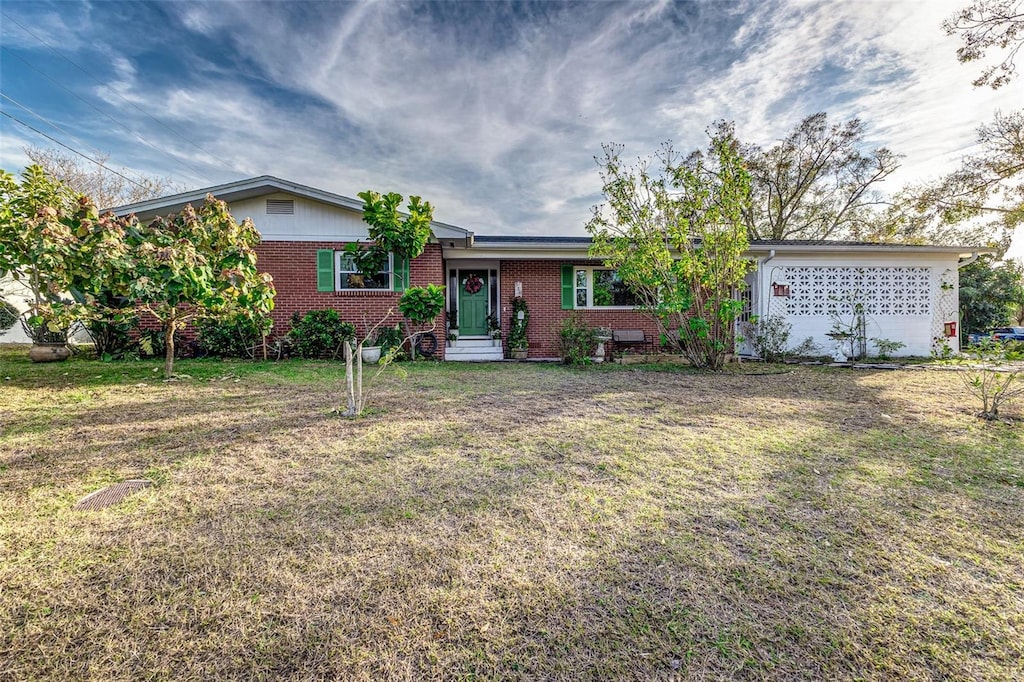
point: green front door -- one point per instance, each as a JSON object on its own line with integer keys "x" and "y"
{"x": 472, "y": 302}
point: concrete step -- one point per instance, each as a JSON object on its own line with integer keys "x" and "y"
{"x": 474, "y": 353}
{"x": 474, "y": 343}
{"x": 474, "y": 357}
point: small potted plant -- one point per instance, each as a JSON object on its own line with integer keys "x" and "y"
{"x": 494, "y": 328}
{"x": 371, "y": 354}
{"x": 49, "y": 340}
{"x": 452, "y": 330}
{"x": 370, "y": 348}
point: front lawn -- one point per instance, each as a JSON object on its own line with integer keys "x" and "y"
{"x": 507, "y": 521}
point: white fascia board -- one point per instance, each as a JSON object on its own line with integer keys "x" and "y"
{"x": 541, "y": 250}
{"x": 334, "y": 238}
{"x": 255, "y": 187}
{"x": 841, "y": 250}
{"x": 545, "y": 252}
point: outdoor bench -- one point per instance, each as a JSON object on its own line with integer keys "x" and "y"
{"x": 629, "y": 338}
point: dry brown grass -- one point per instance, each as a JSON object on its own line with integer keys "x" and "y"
{"x": 507, "y": 522}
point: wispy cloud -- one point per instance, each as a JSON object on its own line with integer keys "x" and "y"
{"x": 494, "y": 111}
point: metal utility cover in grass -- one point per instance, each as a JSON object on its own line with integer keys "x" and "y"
{"x": 112, "y": 494}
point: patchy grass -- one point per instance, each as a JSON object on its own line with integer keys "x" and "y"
{"x": 507, "y": 521}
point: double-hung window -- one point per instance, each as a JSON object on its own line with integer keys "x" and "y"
{"x": 347, "y": 275}
{"x": 601, "y": 288}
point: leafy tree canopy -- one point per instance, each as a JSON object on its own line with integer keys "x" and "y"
{"x": 989, "y": 25}
{"x": 674, "y": 229}
{"x": 53, "y": 241}
{"x": 391, "y": 232}
{"x": 819, "y": 182}
{"x": 990, "y": 293}
{"x": 979, "y": 204}
{"x": 196, "y": 263}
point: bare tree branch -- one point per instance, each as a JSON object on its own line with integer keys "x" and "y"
{"x": 106, "y": 189}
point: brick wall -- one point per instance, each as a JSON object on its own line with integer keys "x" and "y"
{"x": 542, "y": 289}
{"x": 293, "y": 266}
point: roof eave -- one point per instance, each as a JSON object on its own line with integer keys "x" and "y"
{"x": 265, "y": 184}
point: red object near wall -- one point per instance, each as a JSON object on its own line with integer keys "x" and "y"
{"x": 949, "y": 328}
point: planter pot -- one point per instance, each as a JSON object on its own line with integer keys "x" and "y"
{"x": 371, "y": 354}
{"x": 497, "y": 343}
{"x": 49, "y": 352}
{"x": 519, "y": 354}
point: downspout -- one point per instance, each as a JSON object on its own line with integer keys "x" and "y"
{"x": 762, "y": 300}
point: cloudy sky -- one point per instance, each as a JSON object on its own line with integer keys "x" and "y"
{"x": 492, "y": 111}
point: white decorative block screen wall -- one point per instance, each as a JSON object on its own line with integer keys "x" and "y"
{"x": 835, "y": 290}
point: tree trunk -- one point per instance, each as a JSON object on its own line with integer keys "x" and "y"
{"x": 169, "y": 329}
{"x": 351, "y": 398}
{"x": 359, "y": 379}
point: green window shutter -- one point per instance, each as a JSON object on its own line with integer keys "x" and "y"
{"x": 325, "y": 270}
{"x": 568, "y": 287}
{"x": 400, "y": 277}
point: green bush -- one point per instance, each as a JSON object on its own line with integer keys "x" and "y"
{"x": 8, "y": 315}
{"x": 990, "y": 372}
{"x": 153, "y": 343}
{"x": 112, "y": 335}
{"x": 887, "y": 347}
{"x": 320, "y": 334}
{"x": 577, "y": 341}
{"x": 517, "y": 333}
{"x": 388, "y": 338}
{"x": 239, "y": 336}
{"x": 769, "y": 337}
{"x": 422, "y": 304}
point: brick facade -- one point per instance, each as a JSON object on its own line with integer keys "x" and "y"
{"x": 542, "y": 289}
{"x": 293, "y": 266}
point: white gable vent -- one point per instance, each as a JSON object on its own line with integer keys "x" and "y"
{"x": 280, "y": 206}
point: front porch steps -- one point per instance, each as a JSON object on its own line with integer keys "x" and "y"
{"x": 474, "y": 350}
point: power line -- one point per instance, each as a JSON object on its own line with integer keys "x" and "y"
{"x": 70, "y": 149}
{"x": 101, "y": 84}
{"x": 51, "y": 124}
{"x": 99, "y": 111}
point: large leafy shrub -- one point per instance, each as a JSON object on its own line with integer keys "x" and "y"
{"x": 238, "y": 336}
{"x": 769, "y": 337}
{"x": 320, "y": 334}
{"x": 111, "y": 334}
{"x": 577, "y": 341}
{"x": 8, "y": 315}
{"x": 675, "y": 233}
